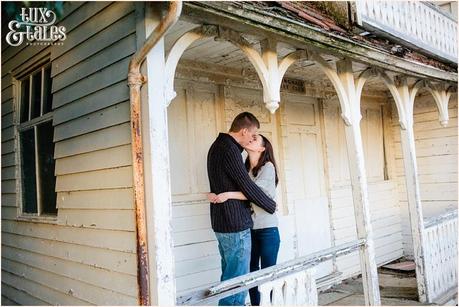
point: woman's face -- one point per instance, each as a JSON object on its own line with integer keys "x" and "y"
{"x": 256, "y": 145}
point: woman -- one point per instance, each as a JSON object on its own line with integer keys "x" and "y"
{"x": 262, "y": 169}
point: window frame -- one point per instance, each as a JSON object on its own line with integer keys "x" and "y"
{"x": 39, "y": 66}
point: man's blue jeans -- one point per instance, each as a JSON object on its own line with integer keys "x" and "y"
{"x": 235, "y": 248}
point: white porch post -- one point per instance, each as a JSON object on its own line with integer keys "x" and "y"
{"x": 359, "y": 185}
{"x": 414, "y": 205}
{"x": 156, "y": 167}
{"x": 348, "y": 91}
{"x": 406, "y": 102}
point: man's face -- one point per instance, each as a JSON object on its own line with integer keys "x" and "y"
{"x": 248, "y": 135}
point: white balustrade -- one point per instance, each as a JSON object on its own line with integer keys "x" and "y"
{"x": 419, "y": 24}
{"x": 298, "y": 289}
{"x": 441, "y": 255}
{"x": 288, "y": 283}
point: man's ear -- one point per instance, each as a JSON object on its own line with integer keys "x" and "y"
{"x": 244, "y": 131}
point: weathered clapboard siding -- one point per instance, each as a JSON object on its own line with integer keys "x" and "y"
{"x": 39, "y": 289}
{"x": 19, "y": 297}
{"x": 97, "y": 140}
{"x": 8, "y": 302}
{"x": 383, "y": 197}
{"x": 98, "y": 60}
{"x": 111, "y": 116}
{"x": 7, "y": 106}
{"x": 105, "y": 239}
{"x": 116, "y": 264}
{"x": 79, "y": 271}
{"x": 88, "y": 255}
{"x": 95, "y": 160}
{"x": 79, "y": 289}
{"x": 73, "y": 14}
{"x": 436, "y": 152}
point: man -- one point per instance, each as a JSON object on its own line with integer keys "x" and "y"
{"x": 231, "y": 220}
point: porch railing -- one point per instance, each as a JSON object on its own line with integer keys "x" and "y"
{"x": 422, "y": 25}
{"x": 291, "y": 282}
{"x": 441, "y": 255}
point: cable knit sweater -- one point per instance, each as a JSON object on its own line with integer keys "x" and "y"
{"x": 266, "y": 180}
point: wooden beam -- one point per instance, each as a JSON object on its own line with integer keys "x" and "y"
{"x": 156, "y": 165}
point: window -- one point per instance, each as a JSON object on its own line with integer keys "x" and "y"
{"x": 36, "y": 147}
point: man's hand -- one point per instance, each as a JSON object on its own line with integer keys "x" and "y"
{"x": 212, "y": 197}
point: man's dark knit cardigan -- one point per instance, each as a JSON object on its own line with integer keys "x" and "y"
{"x": 227, "y": 173}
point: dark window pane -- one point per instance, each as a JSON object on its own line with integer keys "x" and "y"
{"x": 29, "y": 187}
{"x": 36, "y": 94}
{"x": 46, "y": 167}
{"x": 25, "y": 86}
{"x": 47, "y": 97}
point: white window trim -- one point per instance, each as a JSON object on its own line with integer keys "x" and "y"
{"x": 18, "y": 127}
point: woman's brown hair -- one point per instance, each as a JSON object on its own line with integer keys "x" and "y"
{"x": 266, "y": 156}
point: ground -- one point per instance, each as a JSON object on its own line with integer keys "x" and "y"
{"x": 397, "y": 289}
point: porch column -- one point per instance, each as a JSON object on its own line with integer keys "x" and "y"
{"x": 359, "y": 184}
{"x": 406, "y": 98}
{"x": 348, "y": 91}
{"x": 414, "y": 205}
{"x": 156, "y": 165}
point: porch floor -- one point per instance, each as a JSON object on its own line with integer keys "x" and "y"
{"x": 397, "y": 289}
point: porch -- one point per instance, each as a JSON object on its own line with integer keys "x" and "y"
{"x": 294, "y": 282}
{"x": 339, "y": 118}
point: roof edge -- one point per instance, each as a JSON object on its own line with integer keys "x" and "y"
{"x": 306, "y": 34}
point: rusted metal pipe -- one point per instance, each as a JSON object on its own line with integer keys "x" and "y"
{"x": 135, "y": 81}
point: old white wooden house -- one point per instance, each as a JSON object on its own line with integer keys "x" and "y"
{"x": 358, "y": 98}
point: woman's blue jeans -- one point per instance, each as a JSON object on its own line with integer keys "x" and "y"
{"x": 265, "y": 246}
{"x": 234, "y": 248}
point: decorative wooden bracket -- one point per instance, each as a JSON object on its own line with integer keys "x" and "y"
{"x": 400, "y": 91}
{"x": 404, "y": 96}
{"x": 348, "y": 88}
{"x": 266, "y": 64}
{"x": 176, "y": 53}
{"x": 441, "y": 94}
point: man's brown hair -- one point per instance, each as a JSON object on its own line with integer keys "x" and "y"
{"x": 244, "y": 120}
